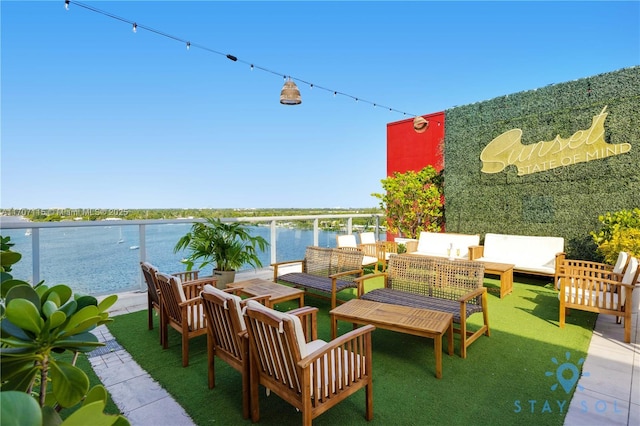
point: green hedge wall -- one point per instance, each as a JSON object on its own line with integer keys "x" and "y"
{"x": 564, "y": 201}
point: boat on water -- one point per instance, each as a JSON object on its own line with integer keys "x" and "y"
{"x": 27, "y": 232}
{"x": 134, "y": 247}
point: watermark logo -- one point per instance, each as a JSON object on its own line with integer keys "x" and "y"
{"x": 567, "y": 374}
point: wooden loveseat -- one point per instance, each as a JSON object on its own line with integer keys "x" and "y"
{"x": 324, "y": 270}
{"x": 438, "y": 284}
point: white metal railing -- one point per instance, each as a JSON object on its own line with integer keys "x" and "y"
{"x": 271, "y": 220}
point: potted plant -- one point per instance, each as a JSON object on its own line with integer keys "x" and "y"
{"x": 226, "y": 245}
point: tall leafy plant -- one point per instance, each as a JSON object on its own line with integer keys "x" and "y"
{"x": 226, "y": 245}
{"x": 38, "y": 323}
{"x": 412, "y": 202}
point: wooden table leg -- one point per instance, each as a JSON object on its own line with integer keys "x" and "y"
{"x": 506, "y": 282}
{"x": 438, "y": 350}
{"x": 334, "y": 326}
{"x": 450, "y": 336}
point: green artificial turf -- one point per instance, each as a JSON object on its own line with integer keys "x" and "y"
{"x": 503, "y": 380}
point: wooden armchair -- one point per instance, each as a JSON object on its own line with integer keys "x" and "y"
{"x": 181, "y": 308}
{"x": 598, "y": 290}
{"x": 153, "y": 296}
{"x": 380, "y": 249}
{"x": 227, "y": 336}
{"x": 314, "y": 376}
{"x": 348, "y": 242}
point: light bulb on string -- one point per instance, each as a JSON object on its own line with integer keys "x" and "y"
{"x": 135, "y": 27}
{"x": 66, "y": 4}
{"x": 251, "y": 67}
{"x": 188, "y": 45}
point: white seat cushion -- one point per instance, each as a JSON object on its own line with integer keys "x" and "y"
{"x": 599, "y": 299}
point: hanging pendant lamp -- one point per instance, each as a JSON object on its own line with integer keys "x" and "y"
{"x": 290, "y": 94}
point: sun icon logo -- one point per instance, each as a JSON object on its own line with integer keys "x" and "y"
{"x": 567, "y": 383}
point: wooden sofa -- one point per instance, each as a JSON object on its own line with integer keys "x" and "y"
{"x": 529, "y": 254}
{"x": 439, "y": 284}
{"x": 324, "y": 270}
{"x": 443, "y": 244}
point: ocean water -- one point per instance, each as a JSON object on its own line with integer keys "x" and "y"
{"x": 99, "y": 260}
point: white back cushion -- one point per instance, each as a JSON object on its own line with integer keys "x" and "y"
{"x": 440, "y": 242}
{"x": 523, "y": 249}
{"x": 177, "y": 284}
{"x": 228, "y": 298}
{"x": 367, "y": 238}
{"x": 629, "y": 276}
{"x": 283, "y": 316}
{"x": 346, "y": 241}
{"x": 621, "y": 262}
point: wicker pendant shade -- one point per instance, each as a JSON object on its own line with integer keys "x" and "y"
{"x": 290, "y": 94}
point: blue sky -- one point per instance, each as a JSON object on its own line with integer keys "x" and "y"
{"x": 97, "y": 116}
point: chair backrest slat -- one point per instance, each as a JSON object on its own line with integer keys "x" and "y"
{"x": 149, "y": 272}
{"x": 171, "y": 298}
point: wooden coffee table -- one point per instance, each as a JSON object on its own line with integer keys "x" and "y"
{"x": 505, "y": 272}
{"x": 419, "y": 322}
{"x": 277, "y": 292}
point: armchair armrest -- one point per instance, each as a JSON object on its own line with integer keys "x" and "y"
{"x": 286, "y": 262}
{"x": 351, "y": 340}
{"x": 360, "y": 280}
{"x": 356, "y": 272}
{"x": 187, "y": 275}
{"x": 262, "y": 299}
{"x": 192, "y": 289}
{"x": 411, "y": 246}
{"x": 476, "y": 252}
{"x": 475, "y": 293}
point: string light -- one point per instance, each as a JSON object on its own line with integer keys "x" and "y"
{"x": 66, "y": 4}
{"x": 233, "y": 58}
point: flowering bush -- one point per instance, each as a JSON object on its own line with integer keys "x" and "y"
{"x": 413, "y": 202}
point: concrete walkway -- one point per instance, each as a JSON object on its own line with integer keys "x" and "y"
{"x": 608, "y": 392}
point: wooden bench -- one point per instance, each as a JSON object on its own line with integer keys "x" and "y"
{"x": 439, "y": 284}
{"x": 324, "y": 270}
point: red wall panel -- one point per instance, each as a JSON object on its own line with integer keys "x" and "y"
{"x": 409, "y": 150}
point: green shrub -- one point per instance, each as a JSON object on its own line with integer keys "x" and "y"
{"x": 620, "y": 231}
{"x": 413, "y": 202}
